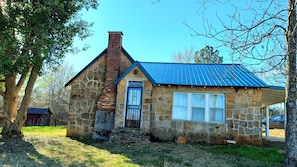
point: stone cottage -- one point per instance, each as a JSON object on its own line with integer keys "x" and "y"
{"x": 201, "y": 102}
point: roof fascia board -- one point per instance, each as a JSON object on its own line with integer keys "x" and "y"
{"x": 87, "y": 66}
{"x": 128, "y": 55}
{"x": 95, "y": 59}
{"x": 136, "y": 64}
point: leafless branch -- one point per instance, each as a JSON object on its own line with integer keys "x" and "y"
{"x": 253, "y": 35}
{"x": 184, "y": 57}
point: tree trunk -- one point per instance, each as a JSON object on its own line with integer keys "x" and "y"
{"x": 15, "y": 119}
{"x": 22, "y": 113}
{"x": 291, "y": 139}
{"x": 10, "y": 104}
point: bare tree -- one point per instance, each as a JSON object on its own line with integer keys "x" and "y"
{"x": 184, "y": 57}
{"x": 58, "y": 94}
{"x": 262, "y": 34}
{"x": 50, "y": 92}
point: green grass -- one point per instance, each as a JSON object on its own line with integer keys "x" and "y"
{"x": 251, "y": 152}
{"x": 44, "y": 130}
{"x": 48, "y": 146}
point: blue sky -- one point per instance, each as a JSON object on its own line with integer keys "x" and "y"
{"x": 153, "y": 32}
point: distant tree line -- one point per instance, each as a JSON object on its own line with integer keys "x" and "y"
{"x": 204, "y": 56}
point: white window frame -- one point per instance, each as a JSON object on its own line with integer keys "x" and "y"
{"x": 206, "y": 107}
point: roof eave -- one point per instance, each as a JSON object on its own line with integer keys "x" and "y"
{"x": 223, "y": 86}
{"x": 136, "y": 64}
{"x": 87, "y": 66}
{"x": 128, "y": 55}
{"x": 95, "y": 59}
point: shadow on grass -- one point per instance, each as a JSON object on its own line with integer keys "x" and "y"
{"x": 18, "y": 152}
{"x": 143, "y": 154}
{"x": 161, "y": 153}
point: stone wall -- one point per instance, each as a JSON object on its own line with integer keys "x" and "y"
{"x": 146, "y": 100}
{"x": 85, "y": 90}
{"x": 93, "y": 90}
{"x": 242, "y": 114}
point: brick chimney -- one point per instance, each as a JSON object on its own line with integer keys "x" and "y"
{"x": 107, "y": 101}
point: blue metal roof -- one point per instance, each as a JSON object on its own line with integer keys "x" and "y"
{"x": 40, "y": 111}
{"x": 214, "y": 75}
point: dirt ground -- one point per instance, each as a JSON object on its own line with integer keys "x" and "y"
{"x": 276, "y": 138}
{"x": 279, "y": 133}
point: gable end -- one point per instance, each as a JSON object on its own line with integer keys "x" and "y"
{"x": 94, "y": 60}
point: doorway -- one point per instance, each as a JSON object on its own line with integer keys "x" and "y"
{"x": 133, "y": 105}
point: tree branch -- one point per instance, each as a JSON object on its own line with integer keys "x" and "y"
{"x": 254, "y": 38}
{"x": 2, "y": 93}
{"x": 21, "y": 81}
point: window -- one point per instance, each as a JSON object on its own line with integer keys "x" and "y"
{"x": 199, "y": 107}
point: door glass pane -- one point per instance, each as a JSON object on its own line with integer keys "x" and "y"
{"x": 134, "y": 96}
{"x": 133, "y": 114}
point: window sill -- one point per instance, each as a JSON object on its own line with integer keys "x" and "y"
{"x": 180, "y": 120}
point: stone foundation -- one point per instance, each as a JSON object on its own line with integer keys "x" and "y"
{"x": 104, "y": 123}
{"x": 128, "y": 135}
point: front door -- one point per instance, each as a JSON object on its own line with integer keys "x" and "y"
{"x": 133, "y": 106}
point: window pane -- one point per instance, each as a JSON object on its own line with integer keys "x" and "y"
{"x": 198, "y": 100}
{"x": 180, "y": 113}
{"x": 216, "y": 101}
{"x": 216, "y": 114}
{"x": 197, "y": 114}
{"x": 180, "y": 106}
{"x": 180, "y": 99}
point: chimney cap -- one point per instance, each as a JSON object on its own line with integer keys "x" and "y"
{"x": 115, "y": 32}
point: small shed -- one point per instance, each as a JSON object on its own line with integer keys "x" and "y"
{"x": 38, "y": 117}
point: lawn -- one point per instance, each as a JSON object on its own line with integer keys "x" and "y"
{"x": 48, "y": 146}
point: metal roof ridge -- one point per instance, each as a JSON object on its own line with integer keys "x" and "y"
{"x": 190, "y": 63}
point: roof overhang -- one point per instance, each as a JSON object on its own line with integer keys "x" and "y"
{"x": 136, "y": 64}
{"x": 273, "y": 95}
